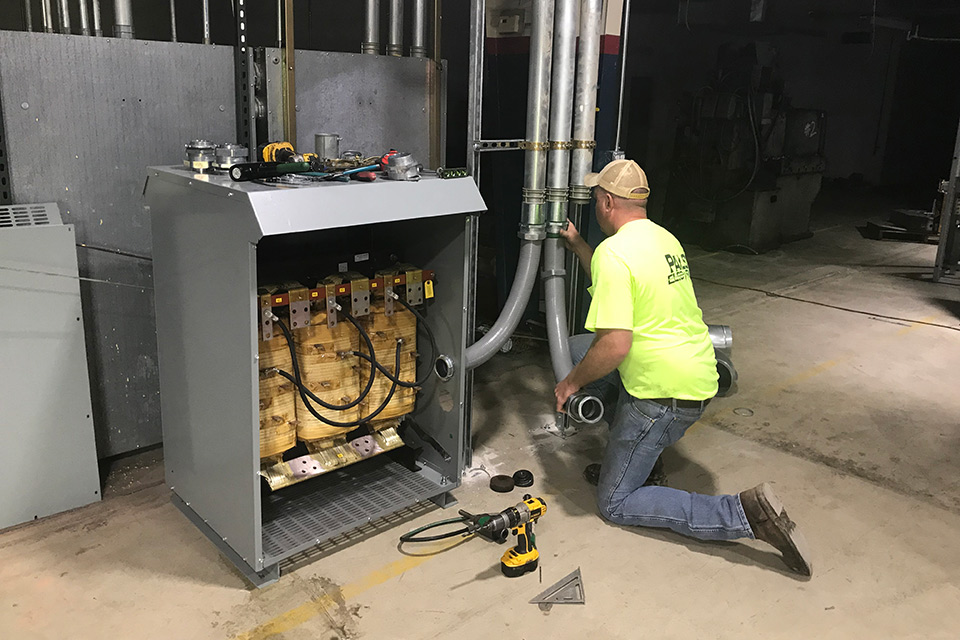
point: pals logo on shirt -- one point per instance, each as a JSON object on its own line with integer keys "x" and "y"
{"x": 679, "y": 270}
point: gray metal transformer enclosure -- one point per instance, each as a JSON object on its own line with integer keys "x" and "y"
{"x": 209, "y": 236}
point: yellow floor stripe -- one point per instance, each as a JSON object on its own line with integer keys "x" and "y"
{"x": 308, "y": 610}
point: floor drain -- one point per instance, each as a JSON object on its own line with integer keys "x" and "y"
{"x": 743, "y": 411}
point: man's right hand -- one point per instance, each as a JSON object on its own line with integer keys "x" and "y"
{"x": 570, "y": 235}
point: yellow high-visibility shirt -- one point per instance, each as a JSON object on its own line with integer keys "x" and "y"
{"x": 641, "y": 282}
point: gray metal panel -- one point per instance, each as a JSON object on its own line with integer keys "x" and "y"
{"x": 333, "y": 205}
{"x": 205, "y": 229}
{"x": 373, "y": 102}
{"x": 205, "y": 270}
{"x": 97, "y": 111}
{"x": 440, "y": 245}
{"x": 48, "y": 461}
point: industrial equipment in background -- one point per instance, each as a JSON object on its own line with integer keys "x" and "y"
{"x": 747, "y": 164}
{"x": 947, "y": 262}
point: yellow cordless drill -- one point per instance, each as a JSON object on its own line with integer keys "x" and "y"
{"x": 524, "y": 556}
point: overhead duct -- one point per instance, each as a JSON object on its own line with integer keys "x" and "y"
{"x": 371, "y": 28}
{"x": 532, "y": 221}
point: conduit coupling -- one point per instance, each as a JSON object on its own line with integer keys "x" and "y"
{"x": 579, "y": 194}
{"x": 556, "y": 210}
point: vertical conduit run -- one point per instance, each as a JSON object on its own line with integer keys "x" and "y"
{"x": 206, "y": 21}
{"x": 47, "y": 16}
{"x": 624, "y": 36}
{"x": 123, "y": 19}
{"x": 28, "y": 14}
{"x": 561, "y": 120}
{"x": 173, "y": 21}
{"x": 418, "y": 48}
{"x": 395, "y": 35}
{"x": 97, "y": 27}
{"x": 581, "y": 406}
{"x": 64, "y": 16}
{"x": 584, "y": 128}
{"x": 532, "y": 222}
{"x": 371, "y": 28}
{"x": 84, "y": 18}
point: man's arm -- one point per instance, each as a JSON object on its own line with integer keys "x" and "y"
{"x": 609, "y": 348}
{"x": 579, "y": 246}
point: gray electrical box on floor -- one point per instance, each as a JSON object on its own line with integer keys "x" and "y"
{"x": 216, "y": 244}
{"x": 48, "y": 461}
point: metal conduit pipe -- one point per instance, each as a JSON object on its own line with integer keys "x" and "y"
{"x": 395, "y": 34}
{"x": 487, "y": 347}
{"x": 726, "y": 375}
{"x": 173, "y": 21}
{"x": 582, "y": 407}
{"x": 585, "y": 100}
{"x": 371, "y": 28}
{"x": 418, "y": 43}
{"x": 532, "y": 224}
{"x": 721, "y": 336}
{"x": 123, "y": 19}
{"x": 561, "y": 114}
{"x": 84, "y": 18}
{"x": 64, "y": 16}
{"x": 206, "y": 22}
{"x": 47, "y": 16}
{"x": 97, "y": 27}
{"x": 28, "y": 14}
{"x": 532, "y": 220}
{"x": 558, "y": 167}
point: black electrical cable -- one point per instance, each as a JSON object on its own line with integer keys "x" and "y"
{"x": 296, "y": 368}
{"x": 435, "y": 351}
{"x": 411, "y": 536}
{"x": 297, "y": 380}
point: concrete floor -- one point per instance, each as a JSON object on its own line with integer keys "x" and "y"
{"x": 854, "y": 419}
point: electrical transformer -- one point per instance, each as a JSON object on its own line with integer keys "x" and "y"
{"x": 311, "y": 342}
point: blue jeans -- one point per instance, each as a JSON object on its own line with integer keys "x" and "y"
{"x": 639, "y": 431}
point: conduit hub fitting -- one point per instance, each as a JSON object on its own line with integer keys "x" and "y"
{"x": 585, "y": 408}
{"x": 444, "y": 368}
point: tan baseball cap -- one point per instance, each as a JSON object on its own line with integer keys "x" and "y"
{"x": 622, "y": 178}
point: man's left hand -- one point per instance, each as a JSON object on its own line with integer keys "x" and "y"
{"x": 564, "y": 389}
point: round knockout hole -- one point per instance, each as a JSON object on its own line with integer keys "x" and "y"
{"x": 743, "y": 411}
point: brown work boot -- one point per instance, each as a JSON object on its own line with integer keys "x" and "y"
{"x": 771, "y": 524}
